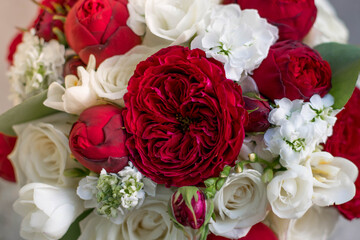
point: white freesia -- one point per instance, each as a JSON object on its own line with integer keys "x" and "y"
{"x": 176, "y": 20}
{"x": 239, "y": 204}
{"x": 316, "y": 224}
{"x": 48, "y": 211}
{"x": 42, "y": 153}
{"x": 334, "y": 179}
{"x": 78, "y": 93}
{"x": 289, "y": 192}
{"x": 36, "y": 65}
{"x": 150, "y": 221}
{"x": 327, "y": 27}
{"x": 112, "y": 77}
{"x": 239, "y": 39}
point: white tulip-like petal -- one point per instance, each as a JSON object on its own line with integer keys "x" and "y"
{"x": 334, "y": 179}
{"x": 42, "y": 153}
{"x": 78, "y": 93}
{"x": 289, "y": 192}
{"x": 48, "y": 211}
{"x": 327, "y": 27}
{"x": 239, "y": 39}
{"x": 239, "y": 204}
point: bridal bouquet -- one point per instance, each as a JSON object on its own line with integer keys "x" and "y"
{"x": 183, "y": 119}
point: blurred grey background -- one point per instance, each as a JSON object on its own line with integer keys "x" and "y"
{"x": 19, "y": 13}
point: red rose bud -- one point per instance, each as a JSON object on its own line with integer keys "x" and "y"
{"x": 257, "y": 232}
{"x": 188, "y": 207}
{"x": 99, "y": 27}
{"x": 7, "y": 144}
{"x": 259, "y": 110}
{"x": 294, "y": 18}
{"x": 72, "y": 64}
{"x": 345, "y": 142}
{"x": 293, "y": 70}
{"x": 97, "y": 139}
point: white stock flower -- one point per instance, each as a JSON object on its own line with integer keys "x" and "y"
{"x": 78, "y": 93}
{"x": 176, "y": 20}
{"x": 289, "y": 192}
{"x": 334, "y": 179}
{"x": 327, "y": 27}
{"x": 36, "y": 65}
{"x": 48, "y": 211}
{"x": 42, "y": 153}
{"x": 87, "y": 191}
{"x": 317, "y": 224}
{"x": 239, "y": 39}
{"x": 112, "y": 76}
{"x": 151, "y": 221}
{"x": 239, "y": 204}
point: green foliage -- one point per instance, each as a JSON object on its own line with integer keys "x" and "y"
{"x": 74, "y": 231}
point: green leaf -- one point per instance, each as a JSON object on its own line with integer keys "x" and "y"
{"x": 74, "y": 230}
{"x": 344, "y": 61}
{"x": 31, "y": 109}
{"x": 76, "y": 172}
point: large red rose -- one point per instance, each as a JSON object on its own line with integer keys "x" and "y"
{"x": 99, "y": 27}
{"x": 345, "y": 142}
{"x": 7, "y": 144}
{"x": 186, "y": 119}
{"x": 258, "y": 232}
{"x": 97, "y": 139}
{"x": 293, "y": 70}
{"x": 294, "y": 18}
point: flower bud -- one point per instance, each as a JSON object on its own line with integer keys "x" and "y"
{"x": 188, "y": 207}
{"x": 71, "y": 65}
{"x": 258, "y": 116}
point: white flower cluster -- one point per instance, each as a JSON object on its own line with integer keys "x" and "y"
{"x": 36, "y": 65}
{"x": 300, "y": 127}
{"x": 114, "y": 195}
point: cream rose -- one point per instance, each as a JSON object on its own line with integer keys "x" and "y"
{"x": 176, "y": 21}
{"x": 290, "y": 192}
{"x": 112, "y": 77}
{"x": 42, "y": 153}
{"x": 48, "y": 211}
{"x": 151, "y": 221}
{"x": 239, "y": 204}
{"x": 333, "y": 178}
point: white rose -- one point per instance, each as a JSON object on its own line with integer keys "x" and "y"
{"x": 176, "y": 21}
{"x": 239, "y": 204}
{"x": 42, "y": 153}
{"x": 239, "y": 39}
{"x": 136, "y": 20}
{"x": 78, "y": 93}
{"x": 48, "y": 211}
{"x": 112, "y": 77}
{"x": 327, "y": 27}
{"x": 334, "y": 179}
{"x": 316, "y": 224}
{"x": 290, "y": 192}
{"x": 150, "y": 221}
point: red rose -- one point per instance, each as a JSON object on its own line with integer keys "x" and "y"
{"x": 186, "y": 118}
{"x": 97, "y": 139}
{"x": 345, "y": 142}
{"x": 293, "y": 70}
{"x": 7, "y": 144}
{"x": 71, "y": 65}
{"x": 294, "y": 18}
{"x": 258, "y": 232}
{"x": 99, "y": 27}
{"x": 258, "y": 116}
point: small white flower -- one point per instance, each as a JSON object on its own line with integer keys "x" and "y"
{"x": 327, "y": 27}
{"x": 290, "y": 192}
{"x": 239, "y": 39}
{"x": 36, "y": 65}
{"x": 42, "y": 152}
{"x": 333, "y": 178}
{"x": 87, "y": 191}
{"x": 48, "y": 211}
{"x": 78, "y": 93}
{"x": 239, "y": 204}
{"x": 285, "y": 108}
